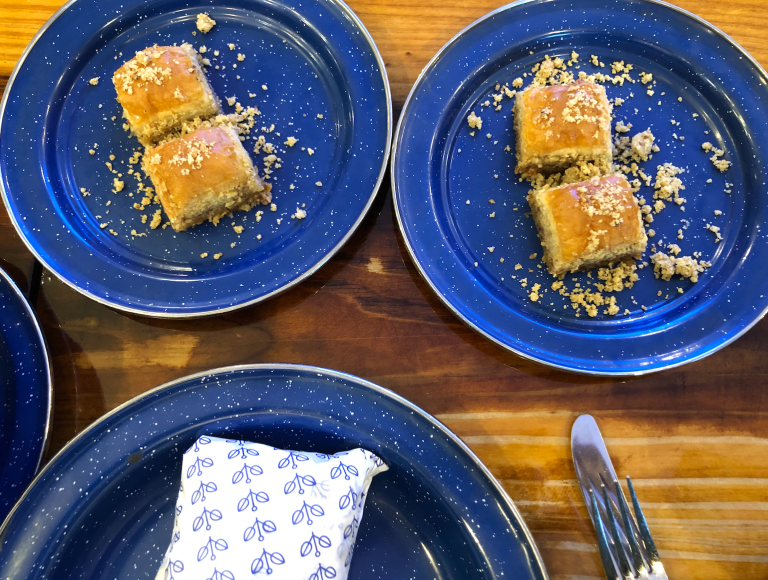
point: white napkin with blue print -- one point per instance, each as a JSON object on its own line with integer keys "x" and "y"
{"x": 249, "y": 511}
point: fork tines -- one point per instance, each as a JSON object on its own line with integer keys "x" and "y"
{"x": 624, "y": 554}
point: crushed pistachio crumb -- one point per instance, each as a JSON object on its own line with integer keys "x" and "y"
{"x": 205, "y": 23}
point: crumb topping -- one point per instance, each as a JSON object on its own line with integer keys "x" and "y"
{"x": 140, "y": 70}
{"x": 582, "y": 105}
{"x": 604, "y": 199}
{"x": 192, "y": 153}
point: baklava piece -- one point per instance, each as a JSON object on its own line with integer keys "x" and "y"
{"x": 160, "y": 88}
{"x": 204, "y": 175}
{"x": 588, "y": 224}
{"x": 558, "y": 126}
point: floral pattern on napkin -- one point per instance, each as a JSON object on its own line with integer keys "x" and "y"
{"x": 247, "y": 510}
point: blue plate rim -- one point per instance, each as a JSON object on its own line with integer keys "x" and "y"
{"x": 329, "y": 373}
{"x": 445, "y": 300}
{"x": 344, "y": 7}
{"x": 48, "y": 368}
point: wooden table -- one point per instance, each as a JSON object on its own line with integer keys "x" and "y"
{"x": 694, "y": 439}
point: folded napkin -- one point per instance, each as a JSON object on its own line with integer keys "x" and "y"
{"x": 247, "y": 510}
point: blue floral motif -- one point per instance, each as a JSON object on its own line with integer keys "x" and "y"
{"x": 200, "y": 441}
{"x": 263, "y": 561}
{"x": 199, "y": 465}
{"x": 210, "y": 548}
{"x": 307, "y": 509}
{"x": 349, "y": 498}
{"x": 344, "y": 469}
{"x": 173, "y": 566}
{"x": 315, "y": 542}
{"x": 199, "y": 494}
{"x": 351, "y": 528}
{"x": 291, "y": 459}
{"x": 245, "y": 472}
{"x": 251, "y": 499}
{"x": 348, "y": 560}
{"x": 322, "y": 572}
{"x": 297, "y": 481}
{"x": 242, "y": 452}
{"x": 223, "y": 575}
{"x": 179, "y": 509}
{"x": 206, "y": 517}
{"x": 260, "y": 527}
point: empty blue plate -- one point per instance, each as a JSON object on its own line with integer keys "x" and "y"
{"x": 103, "y": 507}
{"x": 312, "y": 70}
{"x": 25, "y": 394}
{"x": 483, "y": 257}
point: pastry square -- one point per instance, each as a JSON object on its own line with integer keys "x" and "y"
{"x": 204, "y": 175}
{"x": 160, "y": 88}
{"x": 557, "y": 126}
{"x": 588, "y": 224}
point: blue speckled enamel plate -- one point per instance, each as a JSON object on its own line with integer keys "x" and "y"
{"x": 483, "y": 257}
{"x": 309, "y": 66}
{"x": 103, "y": 507}
{"x": 25, "y": 394}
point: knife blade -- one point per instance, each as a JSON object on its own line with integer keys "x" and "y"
{"x": 590, "y": 458}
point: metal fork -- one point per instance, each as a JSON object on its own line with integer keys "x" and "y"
{"x": 642, "y": 561}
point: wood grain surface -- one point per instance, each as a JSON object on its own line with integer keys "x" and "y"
{"x": 693, "y": 439}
